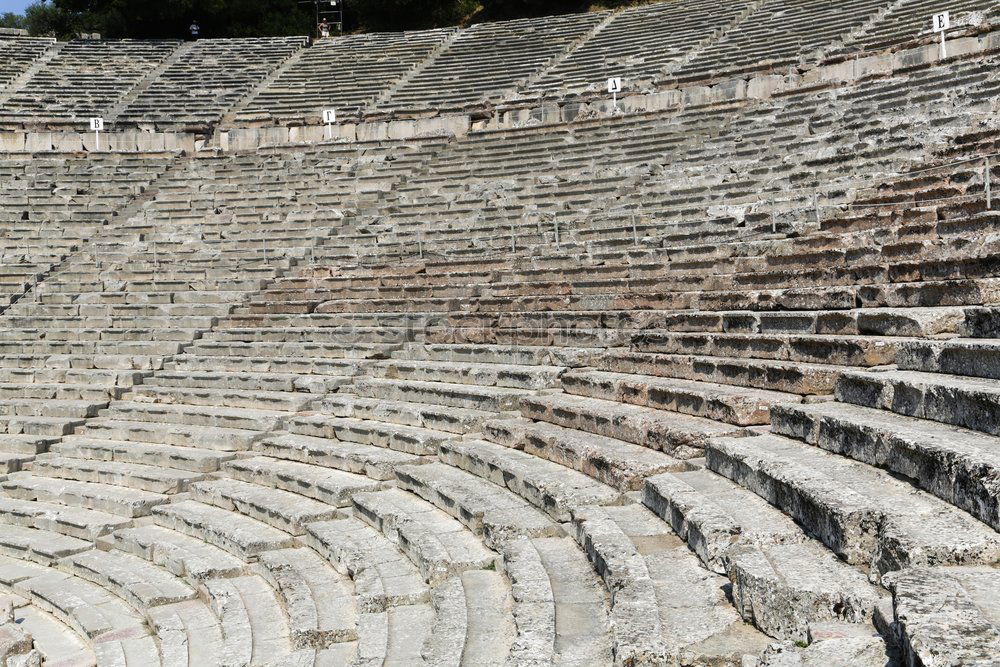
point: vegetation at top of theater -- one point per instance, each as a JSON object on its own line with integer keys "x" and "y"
{"x": 142, "y": 19}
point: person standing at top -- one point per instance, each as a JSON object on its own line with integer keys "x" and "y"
{"x": 195, "y": 30}
{"x": 324, "y": 29}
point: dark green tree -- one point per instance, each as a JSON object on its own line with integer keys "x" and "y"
{"x": 157, "y": 19}
{"x": 142, "y": 19}
{"x": 12, "y": 20}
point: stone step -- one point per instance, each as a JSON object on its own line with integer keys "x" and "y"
{"x": 68, "y": 410}
{"x": 383, "y": 577}
{"x": 266, "y": 373}
{"x": 285, "y": 511}
{"x": 215, "y": 438}
{"x": 946, "y": 613}
{"x": 405, "y": 439}
{"x": 665, "y": 604}
{"x": 972, "y": 403}
{"x": 954, "y": 464}
{"x": 319, "y": 601}
{"x": 678, "y": 435}
{"x": 833, "y": 643}
{"x": 550, "y": 487}
{"x": 189, "y": 558}
{"x": 121, "y": 501}
{"x": 137, "y": 581}
{"x": 460, "y": 372}
{"x": 490, "y": 399}
{"x": 278, "y": 349}
{"x": 112, "y": 366}
{"x": 395, "y": 636}
{"x": 521, "y": 355}
{"x": 967, "y": 357}
{"x": 329, "y": 486}
{"x": 188, "y": 632}
{"x": 473, "y": 624}
{"x": 865, "y": 515}
{"x": 190, "y": 459}
{"x": 28, "y": 445}
{"x": 534, "y": 606}
{"x": 618, "y": 464}
{"x": 783, "y": 376}
{"x": 39, "y": 546}
{"x": 116, "y": 630}
{"x": 378, "y": 338}
{"x": 981, "y": 322}
{"x": 230, "y": 398}
{"x": 14, "y": 463}
{"x": 95, "y": 384}
{"x": 254, "y": 625}
{"x": 57, "y": 642}
{"x": 723, "y": 403}
{"x": 142, "y": 353}
{"x": 239, "y": 535}
{"x": 375, "y": 463}
{"x": 486, "y": 509}
{"x": 437, "y": 544}
{"x": 194, "y": 415}
{"x": 582, "y": 619}
{"x": 611, "y": 326}
{"x": 813, "y": 348}
{"x": 115, "y": 473}
{"x": 75, "y": 522}
{"x": 420, "y": 415}
{"x": 48, "y": 427}
{"x": 782, "y": 581}
{"x": 265, "y": 386}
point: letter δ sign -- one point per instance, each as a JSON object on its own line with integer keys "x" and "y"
{"x": 941, "y": 23}
{"x": 329, "y": 118}
{"x": 615, "y": 87}
{"x": 97, "y": 125}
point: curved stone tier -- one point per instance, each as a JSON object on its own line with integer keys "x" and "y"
{"x": 654, "y": 47}
{"x": 712, "y": 386}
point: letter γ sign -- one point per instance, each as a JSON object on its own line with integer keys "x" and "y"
{"x": 942, "y": 22}
{"x": 615, "y": 87}
{"x": 329, "y": 118}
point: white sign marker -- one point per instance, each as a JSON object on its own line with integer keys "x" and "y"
{"x": 615, "y": 87}
{"x": 97, "y": 124}
{"x": 941, "y": 23}
{"x": 329, "y": 117}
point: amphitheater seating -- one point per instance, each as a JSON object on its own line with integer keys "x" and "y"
{"x": 260, "y": 82}
{"x": 206, "y": 79}
{"x": 345, "y": 73}
{"x": 17, "y": 54}
{"x": 712, "y": 385}
{"x": 488, "y": 60}
{"x": 912, "y": 20}
{"x": 639, "y": 44}
{"x": 779, "y": 34}
{"x": 85, "y": 78}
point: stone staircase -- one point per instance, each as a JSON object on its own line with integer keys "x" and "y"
{"x": 711, "y": 386}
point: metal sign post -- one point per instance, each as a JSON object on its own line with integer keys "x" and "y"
{"x": 97, "y": 124}
{"x": 989, "y": 186}
{"x": 329, "y": 117}
{"x": 941, "y": 23}
{"x": 615, "y": 87}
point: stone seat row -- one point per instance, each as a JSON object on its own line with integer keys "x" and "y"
{"x": 551, "y": 56}
{"x": 84, "y": 78}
